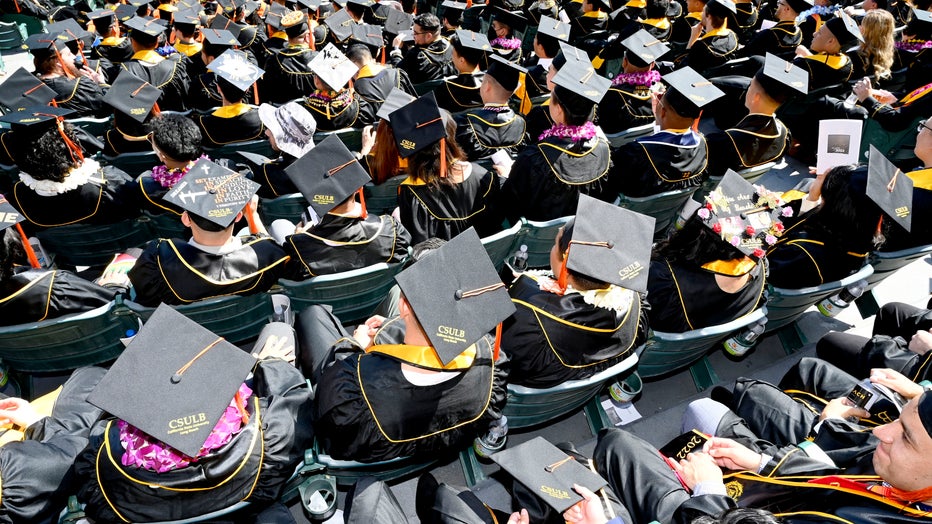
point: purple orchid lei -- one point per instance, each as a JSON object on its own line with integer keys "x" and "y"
{"x": 574, "y": 133}
{"x": 342, "y": 96}
{"x": 640, "y": 78}
{"x": 506, "y": 43}
{"x": 913, "y": 46}
{"x": 169, "y": 177}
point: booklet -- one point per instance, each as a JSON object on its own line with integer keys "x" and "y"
{"x": 839, "y": 143}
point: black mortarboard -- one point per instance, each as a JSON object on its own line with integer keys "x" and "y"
{"x": 327, "y": 175}
{"x": 781, "y": 79}
{"x": 147, "y": 26}
{"x": 453, "y": 6}
{"x": 174, "y": 380}
{"x": 555, "y": 28}
{"x": 514, "y": 20}
{"x": 212, "y": 192}
{"x": 234, "y": 67}
{"x": 23, "y": 89}
{"x": 221, "y": 22}
{"x": 844, "y": 29}
{"x": 368, "y": 34}
{"x": 311, "y": 5}
{"x": 187, "y": 19}
{"x": 799, "y": 5}
{"x": 741, "y": 217}
{"x": 548, "y": 472}
{"x": 132, "y": 96}
{"x": 138, "y": 3}
{"x": 398, "y": 21}
{"x": 340, "y": 24}
{"x": 505, "y": 73}
{"x": 9, "y": 215}
{"x": 473, "y": 40}
{"x": 44, "y": 43}
{"x": 417, "y": 125}
{"x": 396, "y": 99}
{"x": 456, "y": 295}
{"x": 920, "y": 24}
{"x": 689, "y": 91}
{"x": 644, "y": 48}
{"x": 36, "y": 119}
{"x": 275, "y": 15}
{"x": 361, "y": 3}
{"x": 721, "y": 8}
{"x": 124, "y": 12}
{"x": 890, "y": 189}
{"x": 582, "y": 79}
{"x": 333, "y": 67}
{"x": 102, "y": 18}
{"x": 220, "y": 37}
{"x": 611, "y": 244}
{"x": 72, "y": 31}
{"x": 341, "y": 3}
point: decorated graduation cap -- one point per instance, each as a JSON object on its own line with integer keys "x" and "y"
{"x": 554, "y": 28}
{"x": 581, "y": 79}
{"x": 133, "y": 96}
{"x": 746, "y": 217}
{"x": 174, "y": 381}
{"x": 220, "y": 37}
{"x": 327, "y": 175}
{"x": 23, "y": 89}
{"x": 333, "y": 67}
{"x": 396, "y": 99}
{"x": 398, "y": 21}
{"x": 844, "y": 29}
{"x": 144, "y": 29}
{"x": 548, "y": 472}
{"x": 689, "y": 92}
{"x": 781, "y": 79}
{"x": 643, "y": 48}
{"x": 235, "y": 68}
{"x": 514, "y": 20}
{"x": 418, "y": 125}
{"x": 456, "y": 295}
{"x": 890, "y": 189}
{"x": 294, "y": 23}
{"x": 505, "y": 73}
{"x": 340, "y": 24}
{"x": 609, "y": 244}
{"x": 275, "y": 15}
{"x": 721, "y": 8}
{"x": 212, "y": 192}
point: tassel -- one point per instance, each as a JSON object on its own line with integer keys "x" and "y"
{"x": 498, "y": 342}
{"x": 30, "y": 254}
{"x": 383, "y": 55}
{"x": 443, "y": 158}
{"x": 241, "y": 407}
{"x": 696, "y": 123}
{"x": 62, "y": 62}
{"x": 362, "y": 203}
{"x": 247, "y": 212}
{"x": 561, "y": 280}
{"x": 468, "y": 4}
{"x": 155, "y": 109}
{"x": 255, "y": 93}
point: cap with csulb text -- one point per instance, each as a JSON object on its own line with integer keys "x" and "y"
{"x": 327, "y": 175}
{"x": 132, "y": 96}
{"x": 890, "y": 189}
{"x": 417, "y": 125}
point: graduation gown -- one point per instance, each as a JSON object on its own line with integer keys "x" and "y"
{"x": 126, "y": 136}
{"x": 920, "y": 233}
{"x": 552, "y": 338}
{"x": 744, "y": 22}
{"x": 460, "y": 93}
{"x": 230, "y": 124}
{"x": 661, "y": 162}
{"x": 175, "y": 272}
{"x": 903, "y": 113}
{"x": 825, "y": 70}
{"x": 484, "y": 131}
{"x": 204, "y": 94}
{"x": 538, "y": 120}
{"x": 343, "y": 110}
{"x": 659, "y": 28}
{"x": 271, "y": 177}
{"x": 535, "y": 81}
{"x": 188, "y": 50}
{"x": 288, "y": 74}
{"x": 685, "y": 297}
{"x": 711, "y": 50}
{"x": 444, "y": 211}
{"x": 781, "y": 40}
{"x": 80, "y": 94}
{"x": 427, "y": 63}
{"x": 168, "y": 74}
{"x": 38, "y": 294}
{"x": 919, "y": 70}
{"x": 341, "y": 243}
{"x": 146, "y": 194}
{"x": 588, "y": 23}
{"x": 374, "y": 83}
{"x": 548, "y": 177}
{"x": 757, "y": 139}
{"x": 625, "y": 106}
{"x": 115, "y": 49}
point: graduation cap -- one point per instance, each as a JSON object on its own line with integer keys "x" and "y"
{"x": 396, "y": 99}
{"x": 221, "y": 22}
{"x": 333, "y": 67}
{"x": 212, "y": 192}
{"x": 124, "y": 12}
{"x": 742, "y": 217}
{"x": 505, "y": 73}
{"x": 102, "y": 18}
{"x": 920, "y": 24}
{"x": 235, "y": 68}
{"x": 72, "y": 31}
{"x": 581, "y": 79}
{"x": 187, "y": 19}
{"x": 473, "y": 40}
{"x": 149, "y": 27}
{"x": 455, "y": 8}
{"x": 275, "y": 15}
{"x": 844, "y": 29}
{"x": 311, "y": 5}
{"x": 23, "y": 89}
{"x": 327, "y": 175}
{"x": 780, "y": 78}
{"x": 456, "y": 295}
{"x": 514, "y": 20}
{"x": 45, "y": 43}
{"x": 548, "y": 472}
{"x": 295, "y": 23}
{"x": 220, "y": 37}
{"x": 35, "y": 119}
{"x": 610, "y": 244}
{"x": 721, "y": 8}
{"x": 9, "y": 215}
{"x": 370, "y": 35}
{"x": 417, "y": 125}
{"x": 174, "y": 381}
{"x": 554, "y": 28}
{"x": 569, "y": 54}
{"x": 132, "y": 96}
{"x": 398, "y": 21}
{"x": 644, "y": 48}
{"x": 689, "y": 92}
{"x": 890, "y": 189}
{"x": 361, "y": 3}
{"x": 340, "y": 24}
{"x": 799, "y": 5}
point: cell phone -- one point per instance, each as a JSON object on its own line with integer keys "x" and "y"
{"x": 862, "y": 396}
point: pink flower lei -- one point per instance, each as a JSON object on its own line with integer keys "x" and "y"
{"x": 640, "y": 78}
{"x": 913, "y": 45}
{"x": 506, "y": 43}
{"x": 575, "y": 133}
{"x": 169, "y": 177}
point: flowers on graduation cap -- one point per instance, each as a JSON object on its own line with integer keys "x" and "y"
{"x": 786, "y": 213}
{"x": 704, "y": 213}
{"x": 749, "y": 222}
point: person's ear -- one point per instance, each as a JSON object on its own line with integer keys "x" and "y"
{"x": 239, "y": 217}
{"x": 185, "y": 219}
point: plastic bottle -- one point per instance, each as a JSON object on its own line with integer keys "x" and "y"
{"x": 741, "y": 343}
{"x": 833, "y": 305}
{"x": 494, "y": 440}
{"x": 520, "y": 264}
{"x": 39, "y": 251}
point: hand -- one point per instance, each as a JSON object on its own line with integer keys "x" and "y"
{"x": 502, "y": 170}
{"x": 802, "y": 51}
{"x": 698, "y": 467}
{"x": 731, "y": 455}
{"x": 921, "y": 342}
{"x": 362, "y": 337}
{"x": 368, "y": 140}
{"x": 19, "y": 412}
{"x": 862, "y": 89}
{"x": 897, "y": 382}
{"x": 588, "y": 510}
{"x": 840, "y": 408}
{"x": 519, "y": 517}
{"x": 89, "y": 73}
{"x": 276, "y": 347}
{"x": 815, "y": 190}
{"x": 396, "y": 43}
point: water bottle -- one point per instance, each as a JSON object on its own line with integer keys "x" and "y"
{"x": 494, "y": 440}
{"x": 741, "y": 343}
{"x": 520, "y": 263}
{"x": 39, "y": 251}
{"x": 833, "y": 305}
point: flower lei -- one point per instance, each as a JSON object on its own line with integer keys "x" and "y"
{"x": 496, "y": 108}
{"x": 169, "y": 177}
{"x": 343, "y": 96}
{"x": 913, "y": 46}
{"x": 506, "y": 43}
{"x": 817, "y": 10}
{"x": 166, "y": 51}
{"x": 736, "y": 230}
{"x": 640, "y": 78}
{"x": 575, "y": 133}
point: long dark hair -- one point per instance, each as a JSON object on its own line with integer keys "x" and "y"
{"x": 847, "y": 215}
{"x": 11, "y": 253}
{"x": 695, "y": 244}
{"x": 425, "y": 164}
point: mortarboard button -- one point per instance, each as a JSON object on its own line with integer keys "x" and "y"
{"x": 327, "y": 175}
{"x": 890, "y": 189}
{"x": 212, "y": 192}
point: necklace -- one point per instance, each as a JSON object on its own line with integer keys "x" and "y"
{"x": 574, "y": 133}
{"x": 167, "y": 178}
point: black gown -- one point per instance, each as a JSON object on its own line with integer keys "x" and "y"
{"x": 38, "y": 294}
{"x": 175, "y": 272}
{"x": 548, "y": 177}
{"x": 146, "y": 194}
{"x": 168, "y": 74}
{"x": 444, "y": 211}
{"x": 373, "y": 85}
{"x": 552, "y": 338}
{"x": 126, "y": 136}
{"x": 757, "y": 139}
{"x": 710, "y": 50}
{"x": 825, "y": 70}
{"x": 340, "y": 112}
{"x": 427, "y": 63}
{"x": 340, "y": 243}
{"x": 115, "y": 49}
{"x": 625, "y": 106}
{"x": 781, "y": 40}
{"x": 271, "y": 177}
{"x": 460, "y": 93}
{"x": 484, "y": 131}
{"x": 662, "y": 162}
{"x": 535, "y": 82}
{"x": 288, "y": 75}
{"x": 231, "y": 124}
{"x": 538, "y": 120}
{"x": 81, "y": 94}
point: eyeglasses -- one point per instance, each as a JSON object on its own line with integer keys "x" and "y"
{"x": 419, "y": 33}
{"x": 922, "y": 123}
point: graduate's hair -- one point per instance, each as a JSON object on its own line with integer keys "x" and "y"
{"x": 847, "y": 215}
{"x": 453, "y": 17}
{"x": 384, "y": 161}
{"x": 229, "y": 91}
{"x": 740, "y": 516}
{"x": 356, "y": 9}
{"x": 581, "y": 282}
{"x": 716, "y": 15}
{"x": 207, "y": 225}
{"x": 656, "y": 8}
{"x": 550, "y": 44}
{"x": 213, "y": 50}
{"x": 428, "y": 21}
{"x": 11, "y": 253}
{"x": 877, "y": 48}
{"x": 48, "y": 157}
{"x": 177, "y": 136}
{"x": 473, "y": 56}
{"x": 425, "y": 164}
{"x": 577, "y": 109}
{"x": 359, "y": 53}
{"x": 695, "y": 244}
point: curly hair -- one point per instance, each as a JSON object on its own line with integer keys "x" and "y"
{"x": 877, "y": 48}
{"x": 740, "y": 516}
{"x": 425, "y": 164}
{"x": 11, "y": 253}
{"x": 48, "y": 157}
{"x": 176, "y": 136}
{"x": 695, "y": 244}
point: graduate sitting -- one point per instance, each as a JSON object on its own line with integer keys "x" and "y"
{"x": 235, "y": 121}
{"x": 290, "y": 129}
{"x": 462, "y": 91}
{"x": 494, "y": 127}
{"x": 334, "y": 105}
{"x": 711, "y": 42}
{"x": 629, "y": 103}
{"x": 825, "y": 60}
{"x": 550, "y": 33}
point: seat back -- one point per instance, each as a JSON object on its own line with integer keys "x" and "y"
{"x": 752, "y": 174}
{"x": 663, "y": 206}
{"x": 427, "y": 87}
{"x": 10, "y": 36}
{"x": 28, "y": 25}
{"x": 288, "y": 207}
{"x": 501, "y": 245}
{"x": 665, "y": 353}
{"x": 352, "y": 294}
{"x": 538, "y": 237}
{"x": 235, "y": 318}
{"x": 260, "y": 147}
{"x": 89, "y": 245}
{"x": 134, "y": 164}
{"x": 784, "y": 306}
{"x": 895, "y": 145}
{"x": 616, "y": 140}
{"x": 886, "y": 263}
{"x": 166, "y": 225}
{"x": 383, "y": 198}
{"x": 352, "y": 138}
{"x": 93, "y": 126}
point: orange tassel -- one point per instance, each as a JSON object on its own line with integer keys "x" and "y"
{"x": 30, "y": 254}
{"x": 443, "y": 158}
{"x": 383, "y": 55}
{"x": 247, "y": 212}
{"x": 241, "y": 407}
{"x": 561, "y": 280}
{"x": 696, "y": 123}
{"x": 255, "y": 93}
{"x": 498, "y": 342}
{"x": 155, "y": 109}
{"x": 362, "y": 203}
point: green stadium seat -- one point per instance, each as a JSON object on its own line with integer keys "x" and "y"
{"x": 501, "y": 245}
{"x": 664, "y": 207}
{"x": 288, "y": 207}
{"x": 90, "y": 245}
{"x": 134, "y": 164}
{"x": 621, "y": 138}
{"x": 10, "y": 36}
{"x": 166, "y": 225}
{"x": 94, "y": 126}
{"x": 235, "y": 318}
{"x": 538, "y": 237}
{"x": 352, "y": 138}
{"x": 383, "y": 198}
{"x": 260, "y": 147}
